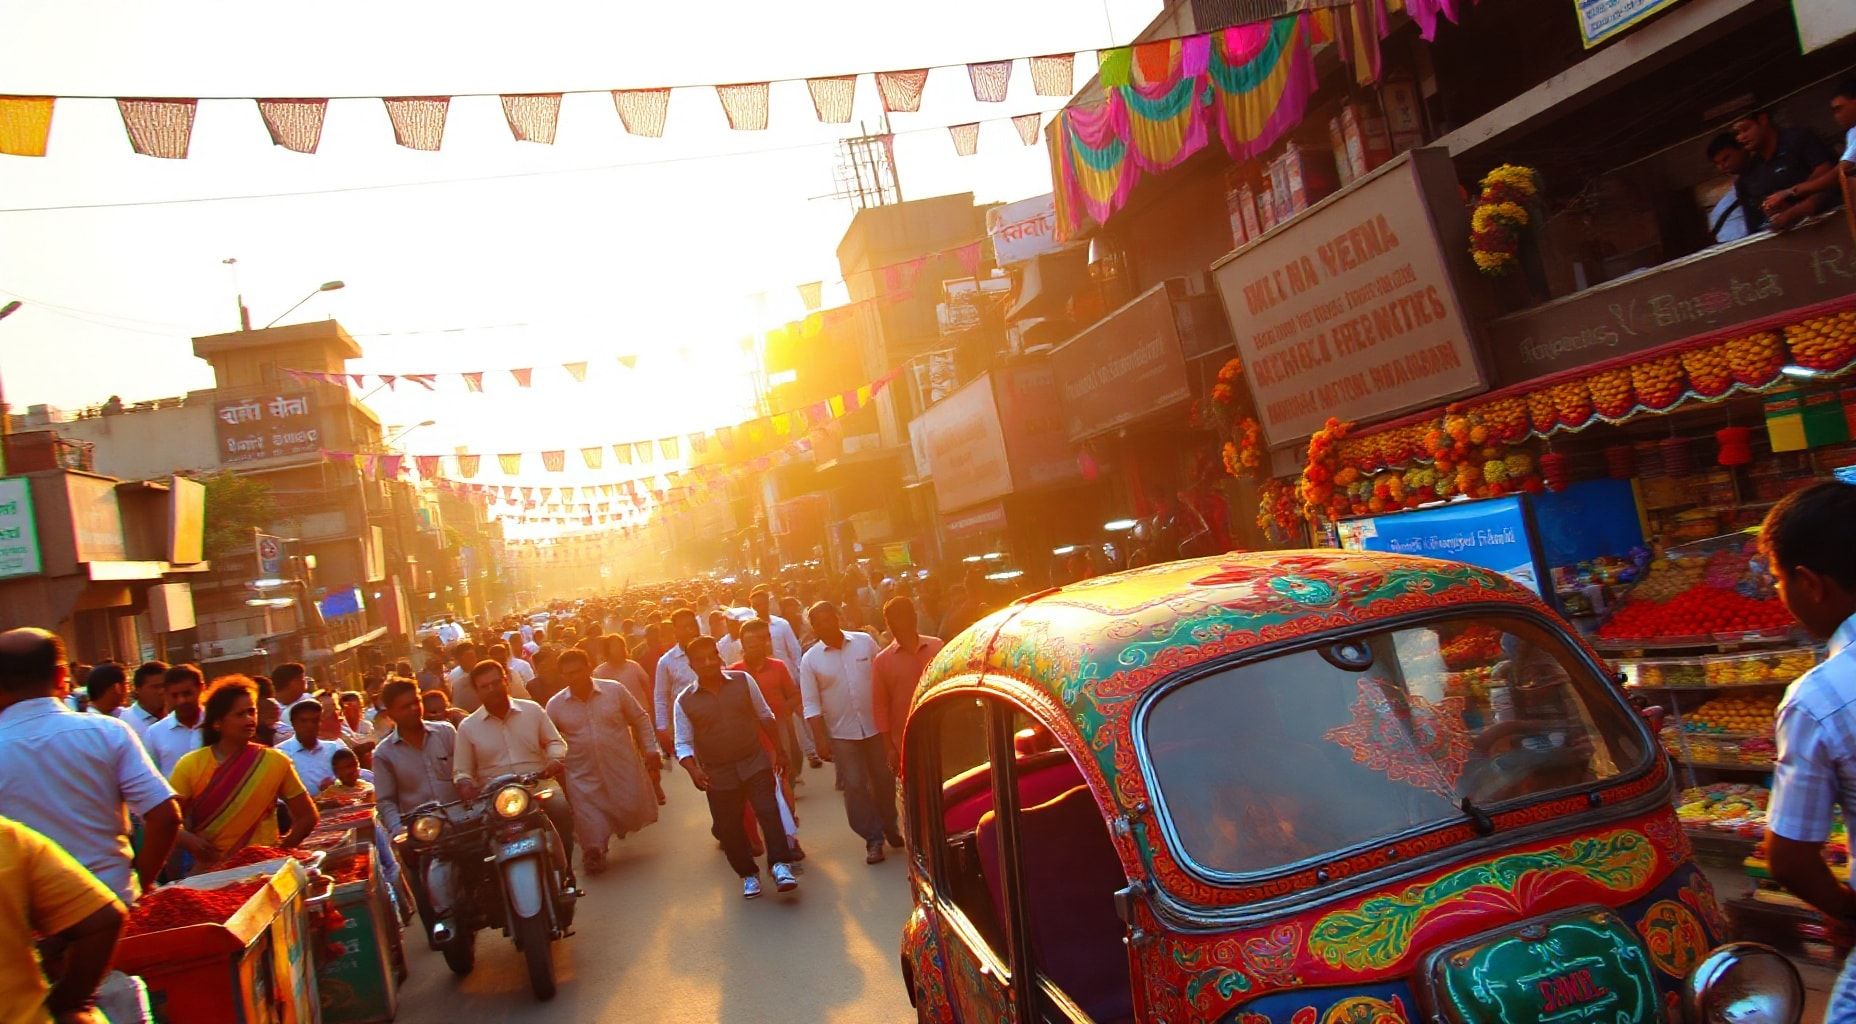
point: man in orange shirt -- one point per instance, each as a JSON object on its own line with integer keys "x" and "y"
{"x": 897, "y": 671}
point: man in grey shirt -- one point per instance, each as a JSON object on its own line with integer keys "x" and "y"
{"x": 412, "y": 766}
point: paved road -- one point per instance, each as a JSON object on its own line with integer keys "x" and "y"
{"x": 664, "y": 937}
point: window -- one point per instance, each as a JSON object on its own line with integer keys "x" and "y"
{"x": 966, "y": 848}
{"x": 1274, "y": 762}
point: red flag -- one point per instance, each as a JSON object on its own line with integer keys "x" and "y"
{"x": 427, "y": 465}
{"x": 523, "y": 376}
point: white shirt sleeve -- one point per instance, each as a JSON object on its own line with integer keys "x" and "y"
{"x": 1849, "y": 147}
{"x": 685, "y": 736}
{"x": 142, "y": 785}
{"x": 808, "y": 688}
{"x": 760, "y": 701}
{"x": 661, "y": 694}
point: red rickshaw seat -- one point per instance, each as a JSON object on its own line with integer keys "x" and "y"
{"x": 1071, "y": 875}
{"x": 1040, "y": 777}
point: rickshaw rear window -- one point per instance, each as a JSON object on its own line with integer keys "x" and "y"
{"x": 1275, "y": 762}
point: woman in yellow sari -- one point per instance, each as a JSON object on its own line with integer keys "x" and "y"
{"x": 229, "y": 788}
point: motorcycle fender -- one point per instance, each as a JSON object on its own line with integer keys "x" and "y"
{"x": 523, "y": 886}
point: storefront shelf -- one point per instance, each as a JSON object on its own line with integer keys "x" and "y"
{"x": 1726, "y": 766}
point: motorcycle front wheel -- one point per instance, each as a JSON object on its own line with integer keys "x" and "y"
{"x": 461, "y": 952}
{"x": 532, "y": 934}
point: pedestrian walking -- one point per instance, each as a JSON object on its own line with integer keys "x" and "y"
{"x": 721, "y": 724}
{"x": 230, "y": 787}
{"x": 178, "y": 733}
{"x": 674, "y": 673}
{"x": 150, "y": 697}
{"x": 611, "y": 751}
{"x": 836, "y": 683}
{"x": 899, "y": 669}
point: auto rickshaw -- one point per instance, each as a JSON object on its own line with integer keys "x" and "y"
{"x": 1302, "y": 788}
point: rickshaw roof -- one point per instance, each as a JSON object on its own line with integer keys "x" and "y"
{"x": 1094, "y": 647}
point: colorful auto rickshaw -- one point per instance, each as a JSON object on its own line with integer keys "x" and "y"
{"x": 1302, "y": 788}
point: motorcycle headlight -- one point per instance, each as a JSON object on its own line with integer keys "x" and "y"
{"x": 426, "y": 827}
{"x": 511, "y": 802}
{"x": 1744, "y": 983}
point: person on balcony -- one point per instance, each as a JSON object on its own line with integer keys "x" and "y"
{"x": 1792, "y": 174}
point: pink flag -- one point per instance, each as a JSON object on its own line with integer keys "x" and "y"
{"x": 833, "y": 97}
{"x": 575, "y": 370}
{"x": 1027, "y": 125}
{"x": 389, "y": 380}
{"x": 1054, "y": 75}
{"x": 745, "y": 105}
{"x": 390, "y": 466}
{"x": 899, "y": 278}
{"x": 159, "y": 127}
{"x": 359, "y": 379}
{"x": 642, "y": 111}
{"x": 418, "y": 121}
{"x": 532, "y": 117}
{"x": 467, "y": 465}
{"x": 990, "y": 80}
{"x": 474, "y": 381}
{"x": 901, "y": 90}
{"x": 428, "y": 381}
{"x": 969, "y": 257}
{"x": 966, "y": 138}
{"x": 295, "y": 125}
{"x": 523, "y": 376}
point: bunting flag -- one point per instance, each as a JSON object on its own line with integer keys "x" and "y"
{"x": 699, "y": 444}
{"x": 418, "y": 121}
{"x": 1054, "y": 74}
{"x": 524, "y": 377}
{"x": 295, "y": 125}
{"x": 357, "y": 378}
{"x": 467, "y": 465}
{"x": 1113, "y": 66}
{"x": 594, "y": 457}
{"x": 427, "y": 465}
{"x": 811, "y": 294}
{"x": 25, "y": 124}
{"x": 745, "y": 105}
{"x": 644, "y": 450}
{"x": 668, "y": 447}
{"x": 642, "y": 111}
{"x": 160, "y": 128}
{"x": 1027, "y": 125}
{"x": 899, "y": 278}
{"x": 624, "y": 453}
{"x": 389, "y": 380}
{"x": 554, "y": 461}
{"x": 966, "y": 138}
{"x": 991, "y": 80}
{"x": 532, "y": 117}
{"x": 1427, "y": 12}
{"x": 833, "y": 97}
{"x": 510, "y": 463}
{"x": 629, "y": 362}
{"x": 726, "y": 437}
{"x": 901, "y": 90}
{"x": 390, "y": 466}
{"x": 474, "y": 381}
{"x": 576, "y": 370}
{"x": 969, "y": 257}
{"x": 428, "y": 381}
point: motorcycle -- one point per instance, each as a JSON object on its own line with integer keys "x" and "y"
{"x": 507, "y": 870}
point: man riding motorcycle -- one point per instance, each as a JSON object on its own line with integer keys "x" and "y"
{"x": 413, "y": 766}
{"x": 511, "y": 736}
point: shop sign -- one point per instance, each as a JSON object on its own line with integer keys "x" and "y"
{"x": 1600, "y": 20}
{"x": 270, "y": 557}
{"x": 96, "y": 518}
{"x": 1492, "y": 534}
{"x": 1128, "y": 365}
{"x": 265, "y": 427}
{"x": 19, "y": 533}
{"x": 986, "y": 519}
{"x": 1022, "y": 230}
{"x": 1031, "y": 420}
{"x": 1822, "y": 22}
{"x": 1713, "y": 289}
{"x": 966, "y": 447}
{"x": 342, "y": 603}
{"x": 1352, "y": 311}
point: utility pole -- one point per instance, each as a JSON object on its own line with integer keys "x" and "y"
{"x": 244, "y": 314}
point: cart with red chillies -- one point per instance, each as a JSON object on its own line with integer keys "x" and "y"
{"x": 227, "y": 946}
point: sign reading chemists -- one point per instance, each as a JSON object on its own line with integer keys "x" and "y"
{"x": 19, "y": 535}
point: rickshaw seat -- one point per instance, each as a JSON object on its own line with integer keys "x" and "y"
{"x": 967, "y": 797}
{"x": 1071, "y": 875}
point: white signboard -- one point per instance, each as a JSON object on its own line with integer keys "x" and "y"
{"x": 1822, "y": 22}
{"x": 1599, "y": 20}
{"x": 19, "y": 534}
{"x": 1024, "y": 229}
{"x": 1351, "y": 312}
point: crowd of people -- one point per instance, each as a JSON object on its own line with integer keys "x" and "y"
{"x": 1781, "y": 175}
{"x": 159, "y": 772}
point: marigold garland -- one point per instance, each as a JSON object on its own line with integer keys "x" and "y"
{"x": 1277, "y": 511}
{"x": 1500, "y": 214}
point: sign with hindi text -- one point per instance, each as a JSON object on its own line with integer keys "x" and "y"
{"x": 19, "y": 533}
{"x": 1352, "y": 310}
{"x": 1600, "y": 20}
{"x": 266, "y": 426}
{"x": 1022, "y": 230}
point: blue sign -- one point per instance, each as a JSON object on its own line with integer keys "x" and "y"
{"x": 342, "y": 602}
{"x": 1492, "y": 534}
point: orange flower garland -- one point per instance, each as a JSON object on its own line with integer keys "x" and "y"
{"x": 1324, "y": 481}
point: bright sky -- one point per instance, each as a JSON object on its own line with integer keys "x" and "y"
{"x": 599, "y": 245}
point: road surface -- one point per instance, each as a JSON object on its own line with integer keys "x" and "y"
{"x": 664, "y": 936}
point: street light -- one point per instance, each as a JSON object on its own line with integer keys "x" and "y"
{"x": 425, "y": 423}
{"x": 327, "y": 286}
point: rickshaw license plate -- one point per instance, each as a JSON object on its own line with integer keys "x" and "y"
{"x": 1586, "y": 966}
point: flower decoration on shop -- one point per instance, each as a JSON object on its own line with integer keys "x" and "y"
{"x": 1278, "y": 511}
{"x": 1241, "y": 435}
{"x": 1501, "y": 213}
{"x": 1479, "y": 448}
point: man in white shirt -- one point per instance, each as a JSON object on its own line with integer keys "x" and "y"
{"x": 178, "y": 734}
{"x": 728, "y": 638}
{"x": 507, "y": 736}
{"x": 150, "y": 698}
{"x": 313, "y": 756}
{"x": 1843, "y": 111}
{"x": 674, "y": 673}
{"x": 519, "y": 673}
{"x": 463, "y": 697}
{"x": 836, "y": 680}
{"x": 107, "y": 689}
{"x": 102, "y": 774}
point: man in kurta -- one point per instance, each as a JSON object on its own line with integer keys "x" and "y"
{"x": 611, "y": 754}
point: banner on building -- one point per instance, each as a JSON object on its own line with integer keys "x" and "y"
{"x": 1600, "y": 20}
{"x": 19, "y": 533}
{"x": 1023, "y": 229}
{"x": 266, "y": 426}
